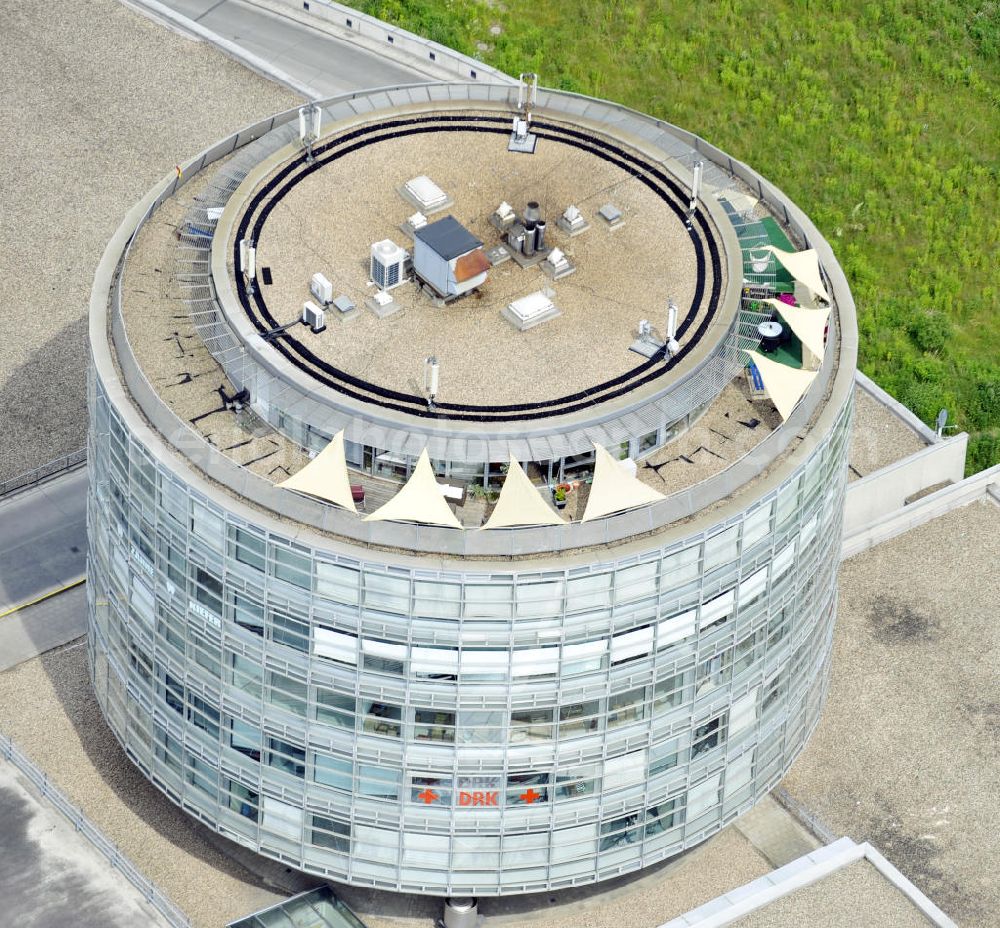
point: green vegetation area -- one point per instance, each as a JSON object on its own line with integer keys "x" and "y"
{"x": 881, "y": 119}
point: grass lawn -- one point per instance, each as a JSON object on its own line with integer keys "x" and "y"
{"x": 881, "y": 119}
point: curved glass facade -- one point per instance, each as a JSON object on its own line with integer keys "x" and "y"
{"x": 457, "y": 729}
{"x": 419, "y": 709}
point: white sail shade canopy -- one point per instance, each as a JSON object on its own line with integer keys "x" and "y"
{"x": 325, "y": 476}
{"x": 520, "y": 504}
{"x": 809, "y": 325}
{"x": 804, "y": 267}
{"x": 614, "y": 489}
{"x": 419, "y": 500}
{"x": 784, "y": 385}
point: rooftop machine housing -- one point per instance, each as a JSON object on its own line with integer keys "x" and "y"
{"x": 449, "y": 258}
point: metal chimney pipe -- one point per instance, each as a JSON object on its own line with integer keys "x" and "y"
{"x": 529, "y": 238}
{"x": 532, "y": 213}
{"x": 540, "y": 235}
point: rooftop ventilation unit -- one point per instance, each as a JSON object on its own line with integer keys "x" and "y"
{"x": 572, "y": 221}
{"x": 388, "y": 262}
{"x": 322, "y": 289}
{"x": 531, "y": 310}
{"x": 427, "y": 196}
{"x": 313, "y": 316}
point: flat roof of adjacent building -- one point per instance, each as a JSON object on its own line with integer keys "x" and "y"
{"x": 906, "y": 753}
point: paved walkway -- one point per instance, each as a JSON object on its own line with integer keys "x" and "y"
{"x": 50, "y": 876}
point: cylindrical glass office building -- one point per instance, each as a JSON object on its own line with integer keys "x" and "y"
{"x": 428, "y": 709}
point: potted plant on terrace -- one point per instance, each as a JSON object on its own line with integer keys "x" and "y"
{"x": 560, "y": 495}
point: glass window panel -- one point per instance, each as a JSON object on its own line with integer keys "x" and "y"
{"x": 717, "y": 610}
{"x": 756, "y": 525}
{"x": 577, "y": 782}
{"x": 721, "y": 548}
{"x": 382, "y": 718}
{"x": 491, "y": 601}
{"x": 586, "y": 657}
{"x": 331, "y": 834}
{"x": 291, "y": 567}
{"x": 285, "y": 756}
{"x": 287, "y": 693}
{"x": 430, "y": 790}
{"x": 336, "y": 646}
{"x": 625, "y": 708}
{"x": 281, "y": 818}
{"x": 668, "y": 694}
{"x": 543, "y": 599}
{"x": 386, "y": 592}
{"x": 680, "y": 568}
{"x": 579, "y": 718}
{"x": 704, "y": 796}
{"x": 535, "y": 662}
{"x": 590, "y": 592}
{"x": 335, "y": 708}
{"x": 250, "y": 549}
{"x": 663, "y": 757}
{"x": 431, "y": 598}
{"x": 629, "y": 645}
{"x": 625, "y": 770}
{"x": 435, "y": 663}
{"x": 676, "y": 628}
{"x": 433, "y": 725}
{"x": 337, "y": 772}
{"x": 206, "y": 525}
{"x": 753, "y": 587}
{"x": 245, "y": 738}
{"x": 485, "y": 663}
{"x": 247, "y": 675}
{"x": 339, "y": 583}
{"x": 290, "y": 630}
{"x": 481, "y": 727}
{"x": 636, "y": 582}
{"x": 248, "y": 613}
{"x": 743, "y": 712}
{"x": 527, "y": 789}
{"x": 531, "y": 725}
{"x": 380, "y": 782}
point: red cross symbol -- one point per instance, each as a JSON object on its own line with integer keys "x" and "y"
{"x": 428, "y": 796}
{"x": 530, "y": 796}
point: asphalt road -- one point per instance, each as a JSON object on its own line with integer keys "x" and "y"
{"x": 328, "y": 65}
{"x": 43, "y": 538}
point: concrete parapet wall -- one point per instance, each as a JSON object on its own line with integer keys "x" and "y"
{"x": 870, "y": 532}
{"x": 884, "y": 492}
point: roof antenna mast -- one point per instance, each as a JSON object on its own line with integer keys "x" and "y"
{"x": 527, "y": 97}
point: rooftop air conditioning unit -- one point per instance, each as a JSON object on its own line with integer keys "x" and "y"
{"x": 322, "y": 289}
{"x": 388, "y": 262}
{"x": 313, "y": 316}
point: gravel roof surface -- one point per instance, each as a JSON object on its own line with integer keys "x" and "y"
{"x": 857, "y": 896}
{"x": 328, "y": 222}
{"x": 48, "y": 707}
{"x": 879, "y": 438}
{"x": 907, "y": 752}
{"x": 99, "y": 104}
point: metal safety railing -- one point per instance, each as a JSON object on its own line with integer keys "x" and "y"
{"x": 53, "y": 795}
{"x": 47, "y": 470}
